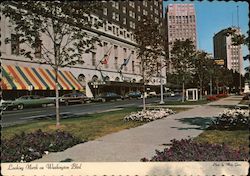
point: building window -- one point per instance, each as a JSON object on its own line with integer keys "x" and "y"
{"x": 109, "y": 28}
{"x": 133, "y": 66}
{"x": 38, "y": 48}
{"x": 116, "y": 63}
{"x": 113, "y": 15}
{"x": 105, "y": 11}
{"x": 131, "y": 3}
{"x": 145, "y": 3}
{"x": 139, "y": 8}
{"x": 15, "y": 44}
{"x": 124, "y": 52}
{"x": 156, "y": 11}
{"x": 121, "y": 32}
{"x": 151, "y": 8}
{"x": 124, "y": 9}
{"x": 93, "y": 59}
{"x": 124, "y": 21}
{"x": 117, "y": 17}
{"x": 139, "y": 18}
{"x": 130, "y": 24}
{"x": 133, "y": 14}
{"x": 116, "y": 5}
{"x": 144, "y": 11}
{"x": 105, "y": 46}
{"x": 130, "y": 13}
{"x": 116, "y": 50}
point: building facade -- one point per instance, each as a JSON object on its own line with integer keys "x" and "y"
{"x": 114, "y": 66}
{"x": 226, "y": 51}
{"x": 180, "y": 23}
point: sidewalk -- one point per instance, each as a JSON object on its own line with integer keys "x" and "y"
{"x": 133, "y": 144}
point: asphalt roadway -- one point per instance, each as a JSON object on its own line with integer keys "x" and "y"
{"x": 13, "y": 117}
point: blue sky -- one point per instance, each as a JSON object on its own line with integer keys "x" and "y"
{"x": 215, "y": 16}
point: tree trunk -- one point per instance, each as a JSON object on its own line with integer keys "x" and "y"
{"x": 57, "y": 101}
{"x": 201, "y": 89}
{"x": 144, "y": 87}
{"x": 183, "y": 89}
{"x": 144, "y": 99}
{"x": 217, "y": 87}
{"x": 211, "y": 87}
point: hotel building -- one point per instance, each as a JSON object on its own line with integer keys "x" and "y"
{"x": 21, "y": 75}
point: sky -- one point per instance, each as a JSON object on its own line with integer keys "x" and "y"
{"x": 211, "y": 17}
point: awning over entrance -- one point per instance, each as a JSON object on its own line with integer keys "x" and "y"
{"x": 26, "y": 78}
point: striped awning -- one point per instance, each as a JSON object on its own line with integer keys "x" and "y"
{"x": 22, "y": 78}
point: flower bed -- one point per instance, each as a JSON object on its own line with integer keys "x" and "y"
{"x": 222, "y": 95}
{"x": 188, "y": 150}
{"x": 212, "y": 98}
{"x": 31, "y": 146}
{"x": 231, "y": 119}
{"x": 149, "y": 115}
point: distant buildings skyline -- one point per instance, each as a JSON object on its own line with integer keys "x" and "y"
{"x": 225, "y": 50}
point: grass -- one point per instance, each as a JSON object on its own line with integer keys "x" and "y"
{"x": 235, "y": 139}
{"x": 88, "y": 127}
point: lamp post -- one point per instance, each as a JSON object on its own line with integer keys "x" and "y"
{"x": 162, "y": 101}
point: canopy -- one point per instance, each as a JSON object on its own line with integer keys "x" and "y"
{"x": 27, "y": 78}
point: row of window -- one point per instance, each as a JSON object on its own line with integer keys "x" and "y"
{"x": 15, "y": 46}
{"x": 132, "y": 13}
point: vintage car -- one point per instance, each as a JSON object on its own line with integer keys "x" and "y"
{"x": 74, "y": 98}
{"x": 28, "y": 101}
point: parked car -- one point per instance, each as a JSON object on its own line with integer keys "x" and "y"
{"x": 107, "y": 96}
{"x": 170, "y": 94}
{"x": 74, "y": 98}
{"x": 136, "y": 94}
{"x": 28, "y": 101}
{"x": 151, "y": 94}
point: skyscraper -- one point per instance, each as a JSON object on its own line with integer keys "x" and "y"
{"x": 180, "y": 21}
{"x": 225, "y": 50}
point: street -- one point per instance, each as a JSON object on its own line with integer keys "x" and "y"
{"x": 30, "y": 114}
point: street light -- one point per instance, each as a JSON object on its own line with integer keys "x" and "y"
{"x": 162, "y": 101}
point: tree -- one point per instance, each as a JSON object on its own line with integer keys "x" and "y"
{"x": 58, "y": 28}
{"x": 182, "y": 56}
{"x": 150, "y": 47}
{"x": 201, "y": 68}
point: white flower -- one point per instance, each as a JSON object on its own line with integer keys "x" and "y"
{"x": 149, "y": 115}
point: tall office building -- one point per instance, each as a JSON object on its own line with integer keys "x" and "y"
{"x": 225, "y": 50}
{"x": 180, "y": 21}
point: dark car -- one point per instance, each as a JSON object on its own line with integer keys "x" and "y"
{"x": 137, "y": 95}
{"x": 28, "y": 101}
{"x": 74, "y": 98}
{"x": 107, "y": 96}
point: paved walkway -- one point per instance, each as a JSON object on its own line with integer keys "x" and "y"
{"x": 135, "y": 143}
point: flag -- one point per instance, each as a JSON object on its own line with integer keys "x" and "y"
{"x": 125, "y": 62}
{"x": 106, "y": 58}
